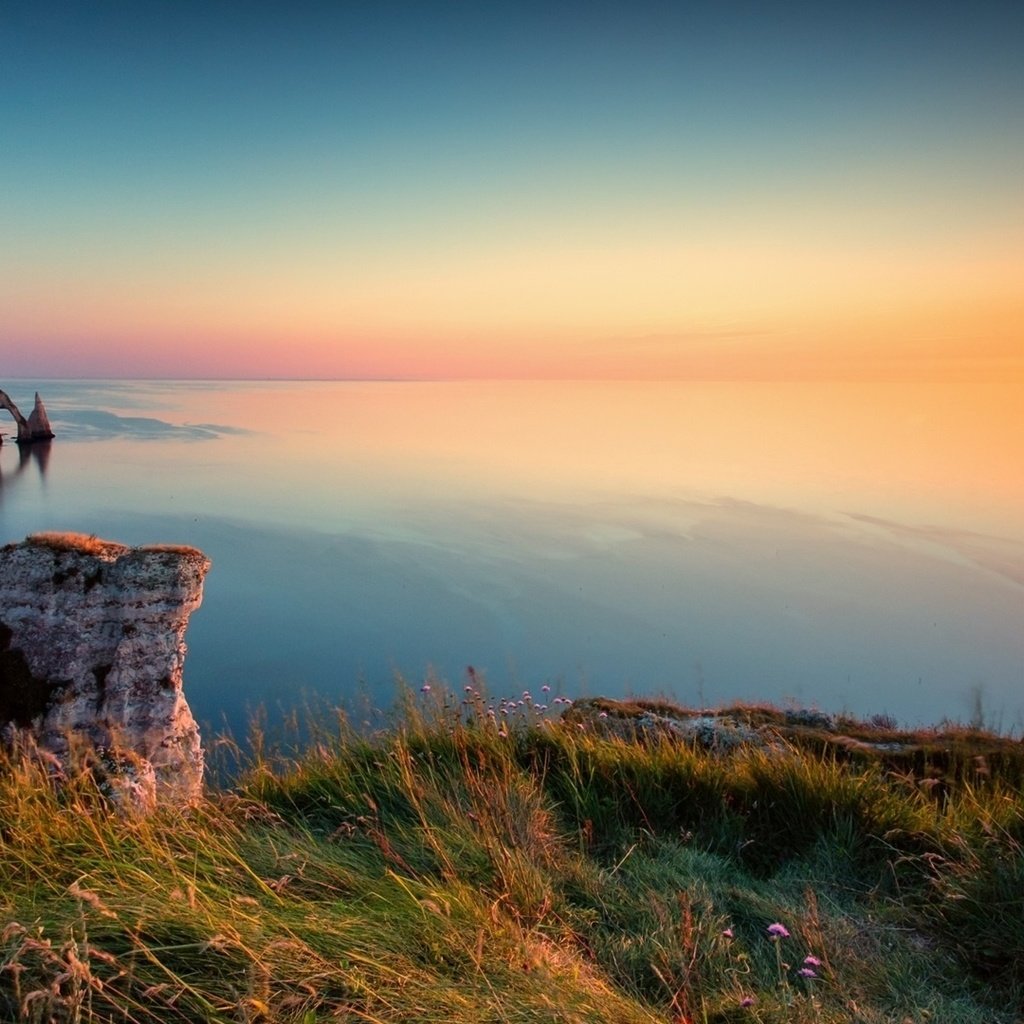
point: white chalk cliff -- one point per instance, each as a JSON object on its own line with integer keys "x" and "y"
{"x": 91, "y": 654}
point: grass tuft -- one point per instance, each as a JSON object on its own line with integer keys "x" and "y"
{"x": 86, "y": 544}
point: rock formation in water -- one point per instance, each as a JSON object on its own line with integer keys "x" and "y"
{"x": 91, "y": 653}
{"x": 39, "y": 422}
{"x": 36, "y": 427}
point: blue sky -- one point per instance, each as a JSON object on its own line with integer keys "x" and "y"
{"x": 325, "y": 182}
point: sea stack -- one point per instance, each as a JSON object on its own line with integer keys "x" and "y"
{"x": 91, "y": 654}
{"x": 38, "y": 422}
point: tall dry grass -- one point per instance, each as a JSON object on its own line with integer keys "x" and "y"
{"x": 461, "y": 867}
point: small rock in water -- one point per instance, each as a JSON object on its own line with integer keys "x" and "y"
{"x": 39, "y": 428}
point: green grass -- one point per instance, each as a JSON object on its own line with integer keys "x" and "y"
{"x": 453, "y": 869}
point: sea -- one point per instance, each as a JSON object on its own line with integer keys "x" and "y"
{"x": 855, "y": 548}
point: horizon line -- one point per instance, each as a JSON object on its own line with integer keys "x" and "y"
{"x": 694, "y": 379}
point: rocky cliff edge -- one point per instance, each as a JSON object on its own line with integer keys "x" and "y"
{"x": 91, "y": 654}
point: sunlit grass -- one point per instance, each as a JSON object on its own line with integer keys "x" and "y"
{"x": 81, "y": 543}
{"x": 469, "y": 865}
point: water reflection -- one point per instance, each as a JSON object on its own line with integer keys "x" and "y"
{"x": 37, "y": 454}
{"x": 99, "y": 424}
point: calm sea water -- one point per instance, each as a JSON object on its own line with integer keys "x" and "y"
{"x": 850, "y": 547}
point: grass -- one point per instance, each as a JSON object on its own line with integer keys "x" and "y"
{"x": 89, "y": 544}
{"x": 466, "y": 866}
{"x": 86, "y": 544}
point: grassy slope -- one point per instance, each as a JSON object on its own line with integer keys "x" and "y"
{"x": 442, "y": 871}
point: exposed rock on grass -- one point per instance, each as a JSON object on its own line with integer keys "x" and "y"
{"x": 933, "y": 755}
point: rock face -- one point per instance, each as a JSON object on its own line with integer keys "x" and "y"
{"x": 38, "y": 422}
{"x": 91, "y": 653}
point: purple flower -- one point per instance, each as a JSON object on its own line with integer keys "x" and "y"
{"x": 778, "y": 931}
{"x": 747, "y": 1001}
{"x": 545, "y": 688}
{"x": 727, "y": 933}
{"x": 811, "y": 961}
{"x": 425, "y": 688}
{"x": 806, "y": 972}
{"x": 604, "y": 714}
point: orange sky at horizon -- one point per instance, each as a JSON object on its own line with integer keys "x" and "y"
{"x": 738, "y": 313}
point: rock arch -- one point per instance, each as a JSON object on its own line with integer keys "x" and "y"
{"x": 36, "y": 427}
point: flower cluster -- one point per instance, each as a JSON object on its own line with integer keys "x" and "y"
{"x": 476, "y": 705}
{"x": 809, "y": 970}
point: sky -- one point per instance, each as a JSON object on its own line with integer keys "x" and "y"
{"x": 484, "y": 190}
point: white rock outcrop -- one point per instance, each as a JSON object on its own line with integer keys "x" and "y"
{"x": 39, "y": 428}
{"x": 91, "y": 654}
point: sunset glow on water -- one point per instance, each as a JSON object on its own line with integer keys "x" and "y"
{"x": 853, "y": 547}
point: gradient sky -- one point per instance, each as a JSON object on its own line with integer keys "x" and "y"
{"x": 720, "y": 190}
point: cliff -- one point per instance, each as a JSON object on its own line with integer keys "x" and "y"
{"x": 91, "y": 654}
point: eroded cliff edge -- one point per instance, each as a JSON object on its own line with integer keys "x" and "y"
{"x": 92, "y": 645}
